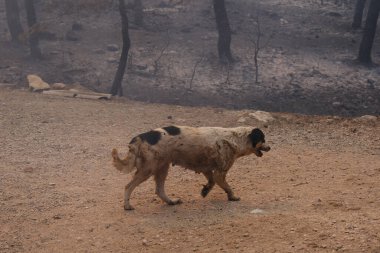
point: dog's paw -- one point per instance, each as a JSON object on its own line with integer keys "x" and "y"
{"x": 233, "y": 198}
{"x": 175, "y": 202}
{"x": 128, "y": 208}
{"x": 205, "y": 191}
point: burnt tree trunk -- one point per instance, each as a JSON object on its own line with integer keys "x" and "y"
{"x": 224, "y": 31}
{"x": 139, "y": 14}
{"x": 33, "y": 29}
{"x": 13, "y": 19}
{"x": 358, "y": 15}
{"x": 369, "y": 32}
{"x": 116, "y": 85}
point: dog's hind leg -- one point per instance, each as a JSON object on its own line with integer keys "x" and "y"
{"x": 138, "y": 178}
{"x": 160, "y": 177}
{"x": 210, "y": 184}
{"x": 220, "y": 179}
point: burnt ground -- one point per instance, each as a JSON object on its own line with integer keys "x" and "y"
{"x": 307, "y": 65}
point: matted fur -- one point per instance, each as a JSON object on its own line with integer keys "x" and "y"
{"x": 208, "y": 150}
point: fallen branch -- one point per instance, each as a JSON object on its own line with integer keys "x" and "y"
{"x": 78, "y": 94}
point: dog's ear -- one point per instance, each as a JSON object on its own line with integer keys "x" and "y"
{"x": 256, "y": 136}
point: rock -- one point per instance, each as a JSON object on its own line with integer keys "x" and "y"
{"x": 241, "y": 120}
{"x": 58, "y": 86}
{"x": 112, "y": 47}
{"x": 283, "y": 21}
{"x": 336, "y": 104}
{"x": 257, "y": 211}
{"x": 145, "y": 242}
{"x": 262, "y": 116}
{"x": 366, "y": 118}
{"x": 36, "y": 83}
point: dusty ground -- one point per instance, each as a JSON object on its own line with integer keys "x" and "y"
{"x": 318, "y": 187}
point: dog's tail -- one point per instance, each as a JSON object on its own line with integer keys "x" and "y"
{"x": 125, "y": 165}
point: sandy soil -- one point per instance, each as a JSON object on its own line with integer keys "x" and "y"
{"x": 317, "y": 190}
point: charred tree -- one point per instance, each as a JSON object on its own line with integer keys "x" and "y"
{"x": 13, "y": 19}
{"x": 139, "y": 14}
{"x": 33, "y": 29}
{"x": 358, "y": 14}
{"x": 369, "y": 32}
{"x": 116, "y": 85}
{"x": 224, "y": 31}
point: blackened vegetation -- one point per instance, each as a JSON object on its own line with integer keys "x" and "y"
{"x": 369, "y": 32}
{"x": 172, "y": 130}
{"x": 224, "y": 31}
{"x": 152, "y": 137}
{"x": 358, "y": 14}
{"x": 116, "y": 84}
{"x": 256, "y": 136}
{"x": 13, "y": 18}
{"x": 35, "y": 51}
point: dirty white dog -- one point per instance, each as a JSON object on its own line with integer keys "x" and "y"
{"x": 207, "y": 150}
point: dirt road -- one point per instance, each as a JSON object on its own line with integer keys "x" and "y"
{"x": 317, "y": 190}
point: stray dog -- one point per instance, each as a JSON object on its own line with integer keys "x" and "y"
{"x": 207, "y": 150}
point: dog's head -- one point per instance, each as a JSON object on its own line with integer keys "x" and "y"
{"x": 257, "y": 139}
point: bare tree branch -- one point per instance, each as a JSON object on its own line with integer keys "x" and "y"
{"x": 157, "y": 61}
{"x": 256, "y": 40}
{"x": 116, "y": 85}
{"x": 194, "y": 70}
{"x": 33, "y": 28}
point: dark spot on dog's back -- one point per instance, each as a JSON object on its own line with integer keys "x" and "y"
{"x": 133, "y": 140}
{"x": 256, "y": 136}
{"x": 152, "y": 137}
{"x": 172, "y": 130}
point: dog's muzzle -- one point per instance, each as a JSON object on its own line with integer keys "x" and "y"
{"x": 264, "y": 148}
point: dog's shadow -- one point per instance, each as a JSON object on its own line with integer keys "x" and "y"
{"x": 198, "y": 207}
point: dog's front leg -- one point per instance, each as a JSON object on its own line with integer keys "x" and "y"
{"x": 210, "y": 184}
{"x": 160, "y": 177}
{"x": 220, "y": 179}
